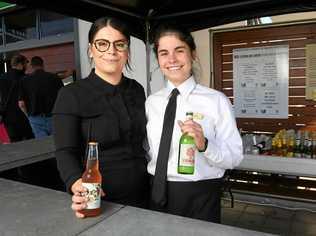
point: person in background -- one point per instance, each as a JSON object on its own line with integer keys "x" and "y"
{"x": 37, "y": 97}
{"x": 218, "y": 143}
{"x": 16, "y": 122}
{"x": 108, "y": 108}
{"x": 38, "y": 94}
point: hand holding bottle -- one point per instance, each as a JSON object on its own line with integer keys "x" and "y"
{"x": 195, "y": 130}
{"x": 79, "y": 199}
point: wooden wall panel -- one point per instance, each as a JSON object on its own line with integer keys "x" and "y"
{"x": 302, "y": 112}
{"x": 56, "y": 58}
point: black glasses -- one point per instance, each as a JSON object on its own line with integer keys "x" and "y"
{"x": 102, "y": 45}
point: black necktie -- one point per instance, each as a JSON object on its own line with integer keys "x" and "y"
{"x": 159, "y": 188}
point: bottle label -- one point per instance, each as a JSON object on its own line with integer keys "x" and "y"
{"x": 94, "y": 195}
{"x": 187, "y": 154}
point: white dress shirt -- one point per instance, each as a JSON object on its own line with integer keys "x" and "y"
{"x": 213, "y": 111}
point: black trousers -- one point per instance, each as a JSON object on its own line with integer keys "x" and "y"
{"x": 199, "y": 200}
{"x": 126, "y": 182}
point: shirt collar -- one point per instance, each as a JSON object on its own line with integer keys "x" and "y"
{"x": 103, "y": 86}
{"x": 185, "y": 88}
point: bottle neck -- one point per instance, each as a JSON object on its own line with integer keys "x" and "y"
{"x": 189, "y": 116}
{"x": 92, "y": 155}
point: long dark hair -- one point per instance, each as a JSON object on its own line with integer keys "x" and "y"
{"x": 115, "y": 23}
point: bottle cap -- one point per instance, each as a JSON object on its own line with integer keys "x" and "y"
{"x": 189, "y": 115}
{"x": 92, "y": 143}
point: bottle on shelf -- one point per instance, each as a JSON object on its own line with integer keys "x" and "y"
{"x": 273, "y": 147}
{"x": 307, "y": 150}
{"x": 255, "y": 150}
{"x": 297, "y": 145}
{"x": 314, "y": 144}
{"x": 279, "y": 148}
{"x": 290, "y": 146}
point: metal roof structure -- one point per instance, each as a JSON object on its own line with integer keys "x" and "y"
{"x": 195, "y": 15}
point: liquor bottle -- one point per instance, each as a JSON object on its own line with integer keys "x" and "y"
{"x": 255, "y": 149}
{"x": 187, "y": 151}
{"x": 274, "y": 147}
{"x": 260, "y": 144}
{"x": 307, "y": 145}
{"x": 284, "y": 145}
{"x": 91, "y": 180}
{"x": 279, "y": 149}
{"x": 313, "y": 145}
{"x": 298, "y": 145}
{"x": 290, "y": 147}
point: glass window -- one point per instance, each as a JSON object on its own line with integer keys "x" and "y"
{"x": 20, "y": 26}
{"x": 54, "y": 24}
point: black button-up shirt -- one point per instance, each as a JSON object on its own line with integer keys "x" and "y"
{"x": 94, "y": 110}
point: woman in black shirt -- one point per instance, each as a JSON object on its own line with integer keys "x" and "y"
{"x": 107, "y": 108}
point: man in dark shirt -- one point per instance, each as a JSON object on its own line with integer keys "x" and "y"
{"x": 16, "y": 122}
{"x": 38, "y": 94}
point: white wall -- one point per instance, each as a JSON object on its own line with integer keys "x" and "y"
{"x": 83, "y": 29}
{"x": 138, "y": 62}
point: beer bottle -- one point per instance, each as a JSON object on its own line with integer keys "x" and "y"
{"x": 314, "y": 145}
{"x": 187, "y": 151}
{"x": 290, "y": 147}
{"x": 91, "y": 180}
{"x": 307, "y": 145}
{"x": 279, "y": 151}
{"x": 274, "y": 146}
{"x": 298, "y": 145}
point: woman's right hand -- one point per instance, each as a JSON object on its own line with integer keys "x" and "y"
{"x": 79, "y": 201}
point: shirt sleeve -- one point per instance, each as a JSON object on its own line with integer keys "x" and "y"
{"x": 225, "y": 150}
{"x": 66, "y": 130}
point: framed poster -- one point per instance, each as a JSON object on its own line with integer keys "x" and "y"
{"x": 261, "y": 82}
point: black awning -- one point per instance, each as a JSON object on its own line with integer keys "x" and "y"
{"x": 195, "y": 15}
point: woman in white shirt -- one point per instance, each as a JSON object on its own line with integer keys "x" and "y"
{"x": 217, "y": 140}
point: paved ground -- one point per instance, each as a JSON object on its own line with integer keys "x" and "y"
{"x": 269, "y": 219}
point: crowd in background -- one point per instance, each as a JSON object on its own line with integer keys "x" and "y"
{"x": 26, "y": 102}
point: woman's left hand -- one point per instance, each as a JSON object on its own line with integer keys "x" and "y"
{"x": 195, "y": 130}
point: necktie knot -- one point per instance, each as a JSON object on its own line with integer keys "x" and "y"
{"x": 174, "y": 93}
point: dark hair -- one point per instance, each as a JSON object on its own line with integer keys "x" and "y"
{"x": 37, "y": 61}
{"x": 18, "y": 59}
{"x": 172, "y": 29}
{"x": 114, "y": 23}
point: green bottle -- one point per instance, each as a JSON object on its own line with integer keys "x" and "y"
{"x": 187, "y": 151}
